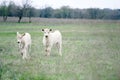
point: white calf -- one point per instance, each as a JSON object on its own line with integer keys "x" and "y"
{"x": 50, "y": 38}
{"x": 24, "y": 42}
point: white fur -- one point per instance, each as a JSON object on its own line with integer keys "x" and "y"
{"x": 53, "y": 38}
{"x": 24, "y": 42}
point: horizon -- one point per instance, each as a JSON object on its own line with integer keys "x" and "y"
{"x": 83, "y": 4}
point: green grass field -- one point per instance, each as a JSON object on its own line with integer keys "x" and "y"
{"x": 91, "y": 51}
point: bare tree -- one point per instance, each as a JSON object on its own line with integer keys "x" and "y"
{"x": 24, "y": 10}
{"x": 30, "y": 13}
{"x": 19, "y": 13}
{"x": 27, "y": 9}
{"x": 4, "y": 10}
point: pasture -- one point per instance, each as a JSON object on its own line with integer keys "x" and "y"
{"x": 91, "y": 51}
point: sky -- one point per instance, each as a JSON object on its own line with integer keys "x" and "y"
{"x": 113, "y": 4}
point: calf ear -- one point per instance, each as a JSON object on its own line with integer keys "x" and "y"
{"x": 42, "y": 29}
{"x": 50, "y": 29}
{"x": 18, "y": 34}
{"x": 23, "y": 34}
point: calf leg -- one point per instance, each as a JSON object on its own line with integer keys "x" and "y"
{"x": 24, "y": 54}
{"x": 59, "y": 46}
{"x": 28, "y": 51}
{"x": 48, "y": 50}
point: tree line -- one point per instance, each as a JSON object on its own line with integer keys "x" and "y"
{"x": 26, "y": 10}
{"x": 89, "y": 13}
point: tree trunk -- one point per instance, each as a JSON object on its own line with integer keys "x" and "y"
{"x": 4, "y": 18}
{"x": 19, "y": 20}
{"x": 29, "y": 19}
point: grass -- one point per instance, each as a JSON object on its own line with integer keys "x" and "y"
{"x": 91, "y": 51}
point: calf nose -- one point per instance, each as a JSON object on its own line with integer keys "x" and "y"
{"x": 46, "y": 36}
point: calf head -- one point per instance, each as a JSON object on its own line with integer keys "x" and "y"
{"x": 19, "y": 37}
{"x": 46, "y": 32}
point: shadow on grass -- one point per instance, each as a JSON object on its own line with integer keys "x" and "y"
{"x": 3, "y": 70}
{"x": 8, "y": 74}
{"x": 29, "y": 77}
